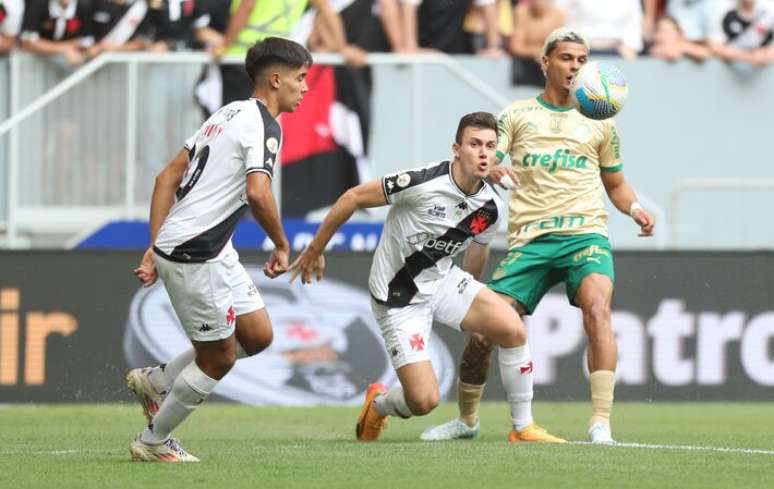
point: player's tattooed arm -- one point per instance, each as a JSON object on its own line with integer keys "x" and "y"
{"x": 310, "y": 262}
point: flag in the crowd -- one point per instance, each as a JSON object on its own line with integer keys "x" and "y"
{"x": 324, "y": 140}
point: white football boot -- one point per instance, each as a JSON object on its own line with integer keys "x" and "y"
{"x": 169, "y": 451}
{"x": 452, "y": 430}
{"x": 138, "y": 382}
{"x": 600, "y": 433}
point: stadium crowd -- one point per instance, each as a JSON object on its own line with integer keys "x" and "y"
{"x": 77, "y": 30}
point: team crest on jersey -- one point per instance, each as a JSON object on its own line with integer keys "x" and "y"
{"x": 272, "y": 145}
{"x": 480, "y": 222}
{"x": 556, "y": 125}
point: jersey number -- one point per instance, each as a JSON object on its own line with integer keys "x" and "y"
{"x": 201, "y": 161}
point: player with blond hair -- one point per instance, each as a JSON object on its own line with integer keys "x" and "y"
{"x": 557, "y": 229}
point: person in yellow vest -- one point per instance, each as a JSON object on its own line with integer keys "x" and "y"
{"x": 254, "y": 20}
{"x": 557, "y": 230}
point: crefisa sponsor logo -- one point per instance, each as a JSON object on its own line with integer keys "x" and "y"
{"x": 327, "y": 347}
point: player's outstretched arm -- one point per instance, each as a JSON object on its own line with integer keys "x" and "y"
{"x": 163, "y": 197}
{"x": 260, "y": 198}
{"x": 310, "y": 262}
{"x": 624, "y": 198}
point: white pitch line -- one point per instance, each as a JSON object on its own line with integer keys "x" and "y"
{"x": 689, "y": 448}
{"x": 50, "y": 452}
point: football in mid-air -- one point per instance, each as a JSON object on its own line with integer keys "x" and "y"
{"x": 599, "y": 90}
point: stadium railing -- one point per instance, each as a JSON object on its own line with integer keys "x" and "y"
{"x": 52, "y": 198}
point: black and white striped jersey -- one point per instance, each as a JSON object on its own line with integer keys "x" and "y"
{"x": 431, "y": 221}
{"x": 240, "y": 138}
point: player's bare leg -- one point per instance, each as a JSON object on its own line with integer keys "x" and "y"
{"x": 417, "y": 395}
{"x": 195, "y": 383}
{"x": 152, "y": 384}
{"x": 594, "y": 297}
{"x": 491, "y": 316}
{"x": 474, "y": 370}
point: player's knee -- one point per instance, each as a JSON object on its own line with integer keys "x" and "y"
{"x": 217, "y": 366}
{"x": 596, "y": 319}
{"x": 424, "y": 404}
{"x": 480, "y": 345}
{"x": 262, "y": 342}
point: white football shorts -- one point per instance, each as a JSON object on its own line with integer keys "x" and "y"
{"x": 207, "y": 297}
{"x": 406, "y": 330}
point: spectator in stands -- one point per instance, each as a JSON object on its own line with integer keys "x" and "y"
{"x": 413, "y": 26}
{"x": 744, "y": 32}
{"x": 59, "y": 27}
{"x": 11, "y": 13}
{"x": 693, "y": 17}
{"x": 533, "y": 20}
{"x": 668, "y": 43}
{"x": 253, "y": 20}
{"x": 652, "y": 11}
{"x": 212, "y": 35}
{"x": 611, "y": 26}
{"x": 486, "y": 26}
{"x": 120, "y": 25}
{"x": 173, "y": 24}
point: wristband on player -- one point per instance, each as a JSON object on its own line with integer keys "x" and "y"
{"x": 635, "y": 206}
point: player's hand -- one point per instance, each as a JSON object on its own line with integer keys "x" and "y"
{"x": 504, "y": 176}
{"x": 146, "y": 272}
{"x": 646, "y": 222}
{"x": 277, "y": 264}
{"x": 308, "y": 263}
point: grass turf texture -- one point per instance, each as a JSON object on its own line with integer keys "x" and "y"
{"x": 86, "y": 446}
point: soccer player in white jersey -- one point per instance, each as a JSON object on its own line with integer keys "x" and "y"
{"x": 557, "y": 229}
{"x": 437, "y": 212}
{"x": 225, "y": 168}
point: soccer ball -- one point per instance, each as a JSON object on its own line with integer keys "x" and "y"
{"x": 599, "y": 90}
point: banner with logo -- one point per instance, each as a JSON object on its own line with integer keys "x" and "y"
{"x": 690, "y": 326}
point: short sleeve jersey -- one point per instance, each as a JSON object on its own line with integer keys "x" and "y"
{"x": 11, "y": 12}
{"x": 431, "y": 221}
{"x": 51, "y": 21}
{"x": 240, "y": 138}
{"x": 132, "y": 16}
{"x": 558, "y": 155}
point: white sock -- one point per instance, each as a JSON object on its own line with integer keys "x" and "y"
{"x": 392, "y": 403}
{"x": 240, "y": 352}
{"x": 516, "y": 375}
{"x": 163, "y": 376}
{"x": 188, "y": 392}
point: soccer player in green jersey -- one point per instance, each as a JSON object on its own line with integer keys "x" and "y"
{"x": 557, "y": 230}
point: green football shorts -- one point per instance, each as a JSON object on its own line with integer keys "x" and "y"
{"x": 528, "y": 272}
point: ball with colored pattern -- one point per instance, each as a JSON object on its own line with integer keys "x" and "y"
{"x": 599, "y": 90}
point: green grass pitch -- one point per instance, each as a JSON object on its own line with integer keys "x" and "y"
{"x": 86, "y": 446}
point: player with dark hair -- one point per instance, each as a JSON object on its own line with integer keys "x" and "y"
{"x": 225, "y": 168}
{"x": 558, "y": 228}
{"x": 437, "y": 212}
